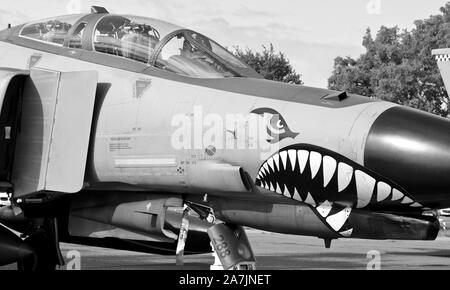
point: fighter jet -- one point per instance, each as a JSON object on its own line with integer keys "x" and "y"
{"x": 132, "y": 133}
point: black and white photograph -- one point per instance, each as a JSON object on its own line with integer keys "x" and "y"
{"x": 212, "y": 136}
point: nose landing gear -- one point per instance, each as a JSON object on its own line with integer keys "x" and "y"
{"x": 231, "y": 245}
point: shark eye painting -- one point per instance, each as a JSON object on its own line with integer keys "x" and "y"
{"x": 277, "y": 128}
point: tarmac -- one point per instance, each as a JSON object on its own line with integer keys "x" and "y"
{"x": 282, "y": 252}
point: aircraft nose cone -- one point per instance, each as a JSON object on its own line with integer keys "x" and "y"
{"x": 412, "y": 148}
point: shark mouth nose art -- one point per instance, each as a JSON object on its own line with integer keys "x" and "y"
{"x": 332, "y": 184}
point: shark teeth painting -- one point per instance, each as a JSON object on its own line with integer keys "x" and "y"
{"x": 331, "y": 183}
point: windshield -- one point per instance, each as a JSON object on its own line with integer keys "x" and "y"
{"x": 192, "y": 54}
{"x": 52, "y": 30}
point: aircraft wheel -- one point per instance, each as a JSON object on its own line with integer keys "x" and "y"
{"x": 43, "y": 258}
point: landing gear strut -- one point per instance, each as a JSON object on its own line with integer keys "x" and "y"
{"x": 205, "y": 213}
{"x": 182, "y": 237}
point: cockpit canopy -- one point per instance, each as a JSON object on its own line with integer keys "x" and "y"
{"x": 145, "y": 40}
{"x": 130, "y": 36}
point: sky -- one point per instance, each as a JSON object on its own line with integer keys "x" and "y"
{"x": 310, "y": 33}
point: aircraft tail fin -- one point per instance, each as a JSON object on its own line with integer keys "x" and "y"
{"x": 443, "y": 60}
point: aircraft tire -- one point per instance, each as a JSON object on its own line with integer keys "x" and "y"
{"x": 42, "y": 260}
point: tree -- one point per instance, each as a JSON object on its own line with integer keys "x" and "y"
{"x": 398, "y": 66}
{"x": 271, "y": 65}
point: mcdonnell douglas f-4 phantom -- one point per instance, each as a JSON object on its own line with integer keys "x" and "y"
{"x": 132, "y": 133}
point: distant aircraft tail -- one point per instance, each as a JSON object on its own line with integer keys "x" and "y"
{"x": 443, "y": 60}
